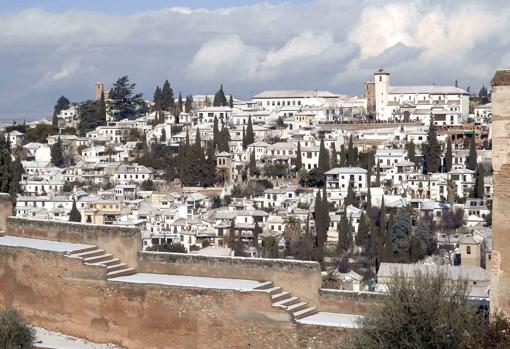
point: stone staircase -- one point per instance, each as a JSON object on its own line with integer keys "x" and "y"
{"x": 283, "y": 299}
{"x": 96, "y": 256}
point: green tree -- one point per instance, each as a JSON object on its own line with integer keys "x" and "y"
{"x": 62, "y": 104}
{"x": 401, "y": 233}
{"x": 239, "y": 246}
{"x": 162, "y": 139}
{"x": 433, "y": 150}
{"x": 270, "y": 247}
{"x": 253, "y": 163}
{"x": 224, "y": 138}
{"x": 231, "y": 102}
{"x": 424, "y": 311}
{"x": 57, "y": 153}
{"x": 472, "y": 158}
{"x": 257, "y": 232}
{"x": 14, "y": 332}
{"x": 250, "y": 135}
{"x": 123, "y": 102}
{"x": 411, "y": 151}
{"x": 167, "y": 97}
{"x": 448, "y": 157}
{"x": 180, "y": 104}
{"x": 323, "y": 157}
{"x": 216, "y": 132}
{"x": 74, "y": 215}
{"x": 219, "y": 98}
{"x": 334, "y": 157}
{"x": 352, "y": 159}
{"x": 378, "y": 175}
{"x": 343, "y": 157}
{"x": 92, "y": 114}
{"x": 243, "y": 139}
{"x": 188, "y": 104}
{"x": 344, "y": 239}
{"x": 158, "y": 99}
{"x": 299, "y": 160}
{"x": 479, "y": 190}
{"x": 362, "y": 234}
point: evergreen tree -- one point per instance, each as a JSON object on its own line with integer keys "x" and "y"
{"x": 344, "y": 242}
{"x": 167, "y": 97}
{"x": 448, "y": 157}
{"x": 381, "y": 232}
{"x": 423, "y": 233}
{"x": 389, "y": 248}
{"x": 401, "y": 232}
{"x": 216, "y": 132}
{"x": 471, "y": 162}
{"x": 162, "y": 139}
{"x": 299, "y": 160}
{"x": 349, "y": 199}
{"x": 433, "y": 150}
{"x": 16, "y": 174}
{"x": 322, "y": 221}
{"x": 158, "y": 99}
{"x": 74, "y": 215}
{"x": 124, "y": 103}
{"x": 378, "y": 175}
{"x": 180, "y": 104}
{"x": 243, "y": 139}
{"x": 351, "y": 155}
{"x": 343, "y": 157}
{"x": 257, "y": 231}
{"x": 334, "y": 157}
{"x": 369, "y": 198}
{"x": 207, "y": 102}
{"x": 62, "y": 104}
{"x": 223, "y": 140}
{"x": 479, "y": 190}
{"x": 209, "y": 177}
{"x": 57, "y": 153}
{"x": 219, "y": 98}
{"x": 188, "y": 104}
{"x": 411, "y": 151}
{"x": 362, "y": 235}
{"x": 250, "y": 135}
{"x": 323, "y": 157}
{"x": 231, "y": 102}
{"x": 253, "y": 163}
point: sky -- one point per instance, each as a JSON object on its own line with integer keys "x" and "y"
{"x": 62, "y": 47}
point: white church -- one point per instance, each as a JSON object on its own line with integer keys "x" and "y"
{"x": 448, "y": 105}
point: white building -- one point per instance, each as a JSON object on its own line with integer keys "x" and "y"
{"x": 272, "y": 100}
{"x": 448, "y": 104}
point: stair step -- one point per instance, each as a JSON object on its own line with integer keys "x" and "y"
{"x": 97, "y": 259}
{"x": 284, "y": 303}
{"x": 297, "y": 307}
{"x": 109, "y": 262}
{"x": 116, "y": 267}
{"x": 265, "y": 285}
{"x": 96, "y": 252}
{"x": 274, "y": 290}
{"x": 122, "y": 272}
{"x": 280, "y": 296}
{"x": 304, "y": 313}
{"x": 83, "y": 250}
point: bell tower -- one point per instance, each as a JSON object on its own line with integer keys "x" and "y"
{"x": 99, "y": 90}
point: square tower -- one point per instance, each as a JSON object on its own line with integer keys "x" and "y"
{"x": 382, "y": 82}
{"x": 99, "y": 90}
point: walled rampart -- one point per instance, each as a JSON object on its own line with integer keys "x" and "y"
{"x": 123, "y": 242}
{"x": 302, "y": 279}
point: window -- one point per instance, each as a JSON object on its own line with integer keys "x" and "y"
{"x": 468, "y": 249}
{"x": 380, "y": 78}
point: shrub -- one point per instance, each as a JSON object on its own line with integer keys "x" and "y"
{"x": 14, "y": 332}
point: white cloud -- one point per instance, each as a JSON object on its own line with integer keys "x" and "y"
{"x": 326, "y": 44}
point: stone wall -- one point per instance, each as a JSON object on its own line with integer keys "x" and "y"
{"x": 123, "y": 242}
{"x": 61, "y": 294}
{"x": 302, "y": 279}
{"x": 5, "y": 210}
{"x": 347, "y": 302}
{"x": 500, "y": 292}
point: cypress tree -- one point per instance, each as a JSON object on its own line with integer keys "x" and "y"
{"x": 381, "y": 231}
{"x": 219, "y": 98}
{"x": 343, "y": 234}
{"x": 162, "y": 139}
{"x": 387, "y": 253}
{"x": 471, "y": 162}
{"x": 231, "y": 102}
{"x": 401, "y": 230}
{"x": 57, "y": 155}
{"x": 74, "y": 215}
{"x": 209, "y": 177}
{"x": 334, "y": 157}
{"x": 433, "y": 150}
{"x": 167, "y": 97}
{"x": 448, "y": 157}
{"x": 479, "y": 189}
{"x": 343, "y": 157}
{"x": 158, "y": 99}
{"x": 253, "y": 163}
{"x": 250, "y": 135}
{"x": 224, "y": 138}
{"x": 378, "y": 175}
{"x": 180, "y": 104}
{"x": 411, "y": 151}
{"x": 216, "y": 133}
{"x": 323, "y": 157}
{"x": 62, "y": 104}
{"x": 369, "y": 198}
{"x": 257, "y": 230}
{"x": 188, "y": 104}
{"x": 350, "y": 154}
{"x": 349, "y": 199}
{"x": 363, "y": 230}
{"x": 299, "y": 160}
{"x": 244, "y": 139}
{"x": 16, "y": 172}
